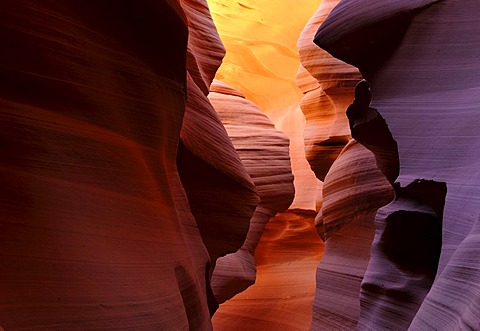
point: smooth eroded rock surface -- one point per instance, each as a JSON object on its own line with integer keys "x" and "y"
{"x": 420, "y": 58}
{"x": 261, "y": 61}
{"x": 265, "y": 153}
{"x": 96, "y": 230}
{"x": 353, "y": 191}
{"x": 221, "y": 193}
{"x": 327, "y": 84}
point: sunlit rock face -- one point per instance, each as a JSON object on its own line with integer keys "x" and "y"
{"x": 262, "y": 62}
{"x": 265, "y": 153}
{"x": 282, "y": 296}
{"x": 221, "y": 193}
{"x": 96, "y": 230}
{"x": 328, "y": 87}
{"x": 420, "y": 59}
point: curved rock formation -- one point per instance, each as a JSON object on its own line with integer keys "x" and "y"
{"x": 96, "y": 223}
{"x": 354, "y": 189}
{"x": 96, "y": 231}
{"x": 264, "y": 152}
{"x": 221, "y": 193}
{"x": 282, "y": 296}
{"x": 262, "y": 61}
{"x": 327, "y": 84}
{"x": 420, "y": 59}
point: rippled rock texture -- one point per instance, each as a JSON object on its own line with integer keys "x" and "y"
{"x": 328, "y": 85}
{"x": 96, "y": 100}
{"x": 265, "y": 153}
{"x": 420, "y": 58}
{"x": 262, "y": 61}
{"x": 221, "y": 193}
{"x": 353, "y": 188}
{"x": 353, "y": 191}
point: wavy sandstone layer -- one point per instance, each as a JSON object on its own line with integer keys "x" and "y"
{"x": 221, "y": 193}
{"x": 353, "y": 191}
{"x": 265, "y": 153}
{"x": 262, "y": 62}
{"x": 354, "y": 188}
{"x": 96, "y": 231}
{"x": 328, "y": 85}
{"x": 93, "y": 163}
{"x": 420, "y": 59}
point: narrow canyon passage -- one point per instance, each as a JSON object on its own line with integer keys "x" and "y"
{"x": 262, "y": 61}
{"x": 236, "y": 165}
{"x": 282, "y": 296}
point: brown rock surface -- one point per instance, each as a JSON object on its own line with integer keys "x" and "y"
{"x": 265, "y": 153}
{"x": 420, "y": 58}
{"x": 353, "y": 189}
{"x": 96, "y": 231}
{"x": 97, "y": 227}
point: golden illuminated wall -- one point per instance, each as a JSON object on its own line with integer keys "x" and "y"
{"x": 260, "y": 37}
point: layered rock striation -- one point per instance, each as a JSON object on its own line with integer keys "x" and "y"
{"x": 282, "y": 296}
{"x": 103, "y": 226}
{"x": 420, "y": 59}
{"x": 265, "y": 153}
{"x": 354, "y": 189}
{"x": 96, "y": 230}
{"x": 221, "y": 193}
{"x": 327, "y": 84}
{"x": 262, "y": 61}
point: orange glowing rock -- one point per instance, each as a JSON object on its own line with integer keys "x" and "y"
{"x": 282, "y": 296}
{"x": 262, "y": 62}
{"x": 328, "y": 87}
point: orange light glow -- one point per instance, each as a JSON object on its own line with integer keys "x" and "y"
{"x": 262, "y": 60}
{"x": 260, "y": 37}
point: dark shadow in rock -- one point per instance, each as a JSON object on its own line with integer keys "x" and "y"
{"x": 412, "y": 238}
{"x": 370, "y": 129}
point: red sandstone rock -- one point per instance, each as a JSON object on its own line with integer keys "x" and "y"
{"x": 264, "y": 152}
{"x": 353, "y": 188}
{"x": 96, "y": 231}
{"x": 420, "y": 59}
{"x": 261, "y": 62}
{"x": 221, "y": 193}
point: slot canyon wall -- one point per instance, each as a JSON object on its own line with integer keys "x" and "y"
{"x": 265, "y": 153}
{"x": 353, "y": 188}
{"x": 261, "y": 61}
{"x": 121, "y": 186}
{"x": 96, "y": 230}
{"x": 421, "y": 60}
{"x": 136, "y": 189}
